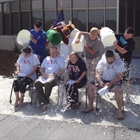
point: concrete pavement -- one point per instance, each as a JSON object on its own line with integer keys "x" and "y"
{"x": 28, "y": 122}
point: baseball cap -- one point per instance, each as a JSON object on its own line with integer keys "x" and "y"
{"x": 38, "y": 23}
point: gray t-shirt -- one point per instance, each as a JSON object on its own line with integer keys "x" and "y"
{"x": 96, "y": 45}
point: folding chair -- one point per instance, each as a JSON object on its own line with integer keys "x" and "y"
{"x": 29, "y": 88}
{"x": 98, "y": 100}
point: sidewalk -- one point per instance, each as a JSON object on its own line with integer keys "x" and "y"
{"x": 28, "y": 122}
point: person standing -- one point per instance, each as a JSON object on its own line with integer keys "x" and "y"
{"x": 38, "y": 40}
{"x": 125, "y": 45}
{"x": 51, "y": 67}
{"x": 93, "y": 48}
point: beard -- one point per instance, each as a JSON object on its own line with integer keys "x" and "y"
{"x": 110, "y": 63}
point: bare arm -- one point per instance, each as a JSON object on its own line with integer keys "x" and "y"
{"x": 116, "y": 79}
{"x": 42, "y": 71}
{"x": 89, "y": 50}
{"x": 33, "y": 71}
{"x": 81, "y": 76}
{"x": 121, "y": 50}
{"x": 77, "y": 40}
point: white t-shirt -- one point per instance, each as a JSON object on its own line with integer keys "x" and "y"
{"x": 27, "y": 65}
{"x": 110, "y": 71}
{"x": 53, "y": 65}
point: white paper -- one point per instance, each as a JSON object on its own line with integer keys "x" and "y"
{"x": 103, "y": 90}
{"x": 42, "y": 80}
{"x": 70, "y": 82}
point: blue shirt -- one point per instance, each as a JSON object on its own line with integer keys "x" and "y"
{"x": 40, "y": 47}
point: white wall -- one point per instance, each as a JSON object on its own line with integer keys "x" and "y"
{"x": 7, "y": 42}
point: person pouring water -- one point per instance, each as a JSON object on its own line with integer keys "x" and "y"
{"x": 93, "y": 48}
{"x": 38, "y": 40}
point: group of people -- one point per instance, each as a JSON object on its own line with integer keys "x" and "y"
{"x": 107, "y": 67}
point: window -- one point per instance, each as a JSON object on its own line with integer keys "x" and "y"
{"x": 110, "y": 19}
{"x": 14, "y": 6}
{"x": 96, "y": 3}
{"x": 49, "y": 19}
{"x": 36, "y": 15}
{"x": 25, "y": 20}
{"x": 79, "y": 4}
{"x": 67, "y": 16}
{"x": 6, "y": 24}
{"x": 25, "y": 5}
{"x": 96, "y": 18}
{"x": 49, "y": 4}
{"x": 14, "y": 23}
{"x": 79, "y": 19}
{"x": 111, "y": 3}
{"x": 66, "y": 4}
{"x": 36, "y": 4}
{"x": 137, "y": 19}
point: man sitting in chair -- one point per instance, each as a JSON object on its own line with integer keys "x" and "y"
{"x": 51, "y": 67}
{"x": 109, "y": 72}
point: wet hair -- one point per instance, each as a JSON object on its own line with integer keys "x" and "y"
{"x": 109, "y": 54}
{"x": 27, "y": 50}
{"x": 38, "y": 23}
{"x": 54, "y": 47}
{"x": 94, "y": 31}
{"x": 74, "y": 53}
{"x": 130, "y": 30}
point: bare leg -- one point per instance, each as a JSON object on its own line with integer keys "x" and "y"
{"x": 17, "y": 98}
{"x": 90, "y": 93}
{"x": 21, "y": 98}
{"x": 119, "y": 101}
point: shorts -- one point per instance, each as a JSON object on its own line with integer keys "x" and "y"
{"x": 94, "y": 82}
{"x": 20, "y": 84}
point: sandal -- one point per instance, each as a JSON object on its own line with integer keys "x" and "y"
{"x": 76, "y": 105}
{"x": 44, "y": 107}
{"x": 87, "y": 110}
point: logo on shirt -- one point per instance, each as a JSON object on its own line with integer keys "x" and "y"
{"x": 123, "y": 41}
{"x": 73, "y": 68}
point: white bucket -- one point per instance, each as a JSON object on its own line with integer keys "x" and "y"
{"x": 80, "y": 46}
{"x": 23, "y": 37}
{"x": 107, "y": 36}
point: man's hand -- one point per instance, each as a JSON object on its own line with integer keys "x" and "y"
{"x": 102, "y": 84}
{"x": 115, "y": 43}
{"x": 32, "y": 39}
{"x": 109, "y": 84}
{"x": 77, "y": 41}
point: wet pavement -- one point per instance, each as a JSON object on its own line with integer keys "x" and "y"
{"x": 28, "y": 122}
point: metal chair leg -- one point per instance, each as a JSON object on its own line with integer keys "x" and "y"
{"x": 86, "y": 97}
{"x": 10, "y": 100}
{"x": 97, "y": 100}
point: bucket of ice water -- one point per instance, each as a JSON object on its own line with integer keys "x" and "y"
{"x": 107, "y": 36}
{"x": 23, "y": 37}
{"x": 80, "y": 46}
